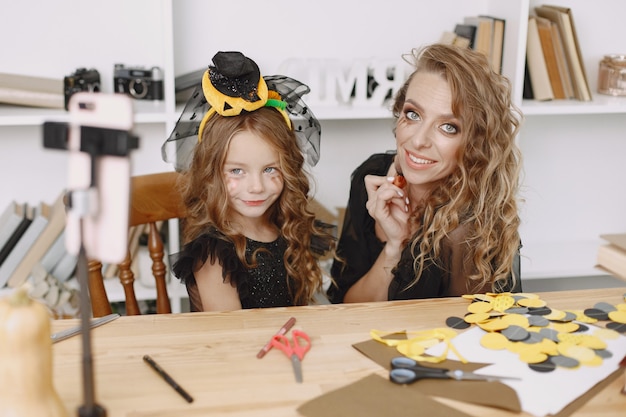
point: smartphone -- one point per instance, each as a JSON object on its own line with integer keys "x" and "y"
{"x": 99, "y": 181}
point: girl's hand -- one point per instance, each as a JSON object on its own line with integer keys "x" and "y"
{"x": 389, "y": 207}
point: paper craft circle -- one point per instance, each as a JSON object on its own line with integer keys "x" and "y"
{"x": 581, "y": 328}
{"x": 539, "y": 311}
{"x": 582, "y": 317}
{"x": 517, "y": 310}
{"x": 618, "y": 316}
{"x": 564, "y": 361}
{"x": 503, "y": 302}
{"x": 483, "y": 297}
{"x": 604, "y": 306}
{"x": 568, "y": 317}
{"x": 545, "y": 366}
{"x": 580, "y": 353}
{"x": 550, "y": 334}
{"x": 604, "y": 354}
{"x": 515, "y": 333}
{"x": 592, "y": 342}
{"x": 534, "y": 337}
{"x": 479, "y": 307}
{"x": 493, "y": 325}
{"x": 618, "y": 327}
{"x": 565, "y": 327}
{"x": 555, "y": 314}
{"x": 606, "y": 334}
{"x": 457, "y": 323}
{"x": 516, "y": 320}
{"x": 532, "y": 302}
{"x": 549, "y": 346}
{"x": 538, "y": 321}
{"x": 476, "y": 317}
{"x": 494, "y": 340}
{"x": 531, "y": 356}
{"x": 596, "y": 313}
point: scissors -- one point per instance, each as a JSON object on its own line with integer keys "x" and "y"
{"x": 406, "y": 371}
{"x": 295, "y": 351}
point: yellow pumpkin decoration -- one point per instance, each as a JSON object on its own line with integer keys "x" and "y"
{"x": 232, "y": 105}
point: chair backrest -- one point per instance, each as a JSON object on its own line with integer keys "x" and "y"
{"x": 153, "y": 198}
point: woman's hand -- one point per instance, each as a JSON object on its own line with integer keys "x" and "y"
{"x": 389, "y": 207}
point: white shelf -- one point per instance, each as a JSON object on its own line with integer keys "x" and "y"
{"x": 601, "y": 104}
{"x": 145, "y": 112}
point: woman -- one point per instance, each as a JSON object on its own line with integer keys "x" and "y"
{"x": 453, "y": 227}
{"x": 251, "y": 240}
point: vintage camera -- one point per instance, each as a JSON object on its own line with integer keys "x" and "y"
{"x": 138, "y": 82}
{"x": 81, "y": 80}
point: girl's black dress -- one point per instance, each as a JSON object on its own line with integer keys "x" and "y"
{"x": 263, "y": 286}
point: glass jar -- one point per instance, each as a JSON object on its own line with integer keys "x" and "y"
{"x": 612, "y": 75}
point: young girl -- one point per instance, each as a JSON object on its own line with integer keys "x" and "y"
{"x": 250, "y": 239}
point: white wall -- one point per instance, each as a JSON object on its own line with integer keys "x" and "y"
{"x": 569, "y": 175}
{"x": 30, "y": 173}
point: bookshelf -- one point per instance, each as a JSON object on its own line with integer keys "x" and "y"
{"x": 572, "y": 150}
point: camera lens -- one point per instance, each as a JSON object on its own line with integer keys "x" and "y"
{"x": 138, "y": 88}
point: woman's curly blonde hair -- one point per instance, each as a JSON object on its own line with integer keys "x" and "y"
{"x": 481, "y": 195}
{"x": 206, "y": 197}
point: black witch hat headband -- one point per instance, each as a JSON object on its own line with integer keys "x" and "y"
{"x": 232, "y": 86}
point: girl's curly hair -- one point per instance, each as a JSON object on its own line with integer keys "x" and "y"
{"x": 206, "y": 197}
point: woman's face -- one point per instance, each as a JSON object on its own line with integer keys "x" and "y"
{"x": 252, "y": 176}
{"x": 428, "y": 135}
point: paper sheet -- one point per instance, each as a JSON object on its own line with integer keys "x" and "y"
{"x": 540, "y": 393}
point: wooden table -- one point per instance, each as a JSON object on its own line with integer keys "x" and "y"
{"x": 213, "y": 356}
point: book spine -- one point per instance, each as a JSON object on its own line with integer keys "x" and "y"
{"x": 547, "y": 46}
{"x": 537, "y": 69}
{"x": 21, "y": 248}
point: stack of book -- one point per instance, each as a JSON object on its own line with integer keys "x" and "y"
{"x": 25, "y": 90}
{"x": 32, "y": 239}
{"x": 481, "y": 33}
{"x": 612, "y": 255}
{"x": 554, "y": 65}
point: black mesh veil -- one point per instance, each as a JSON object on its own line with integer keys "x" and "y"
{"x": 179, "y": 147}
{"x": 305, "y": 124}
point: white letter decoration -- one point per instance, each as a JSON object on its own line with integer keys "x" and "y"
{"x": 362, "y": 83}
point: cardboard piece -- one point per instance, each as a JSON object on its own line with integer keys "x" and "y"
{"x": 376, "y": 396}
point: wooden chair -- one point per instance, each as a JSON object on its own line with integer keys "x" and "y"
{"x": 153, "y": 198}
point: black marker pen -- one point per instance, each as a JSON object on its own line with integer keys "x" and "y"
{"x": 167, "y": 378}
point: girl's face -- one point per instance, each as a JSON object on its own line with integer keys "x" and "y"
{"x": 428, "y": 135}
{"x": 252, "y": 176}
